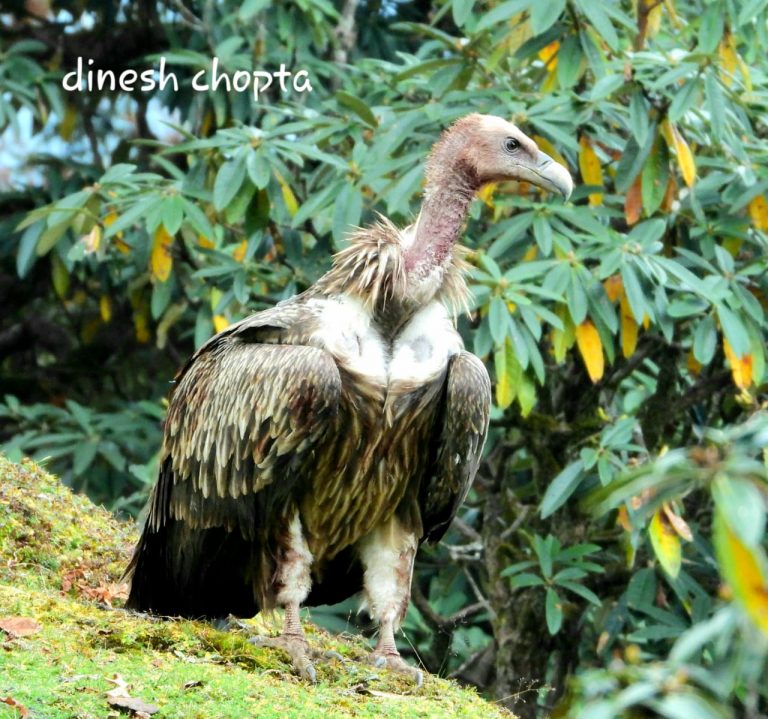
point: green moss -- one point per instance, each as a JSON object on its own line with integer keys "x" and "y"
{"x": 61, "y": 557}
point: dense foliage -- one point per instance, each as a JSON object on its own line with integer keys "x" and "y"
{"x": 611, "y": 560}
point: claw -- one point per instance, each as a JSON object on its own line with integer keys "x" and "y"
{"x": 297, "y": 649}
{"x": 396, "y": 663}
{"x": 331, "y": 654}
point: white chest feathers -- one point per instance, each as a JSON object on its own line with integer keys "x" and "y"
{"x": 419, "y": 352}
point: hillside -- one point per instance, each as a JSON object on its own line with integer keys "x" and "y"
{"x": 67, "y": 643}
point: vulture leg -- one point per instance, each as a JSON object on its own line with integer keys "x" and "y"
{"x": 292, "y": 585}
{"x": 387, "y": 555}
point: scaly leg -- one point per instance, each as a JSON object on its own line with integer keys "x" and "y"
{"x": 387, "y": 555}
{"x": 293, "y": 583}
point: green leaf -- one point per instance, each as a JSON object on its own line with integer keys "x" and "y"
{"x": 357, "y": 106}
{"x": 346, "y": 212}
{"x": 526, "y": 395}
{"x": 711, "y": 26}
{"x": 715, "y": 105}
{"x": 569, "y": 60}
{"x": 553, "y": 611}
{"x": 525, "y": 579}
{"x": 742, "y": 506}
{"x": 498, "y": 319}
{"x": 683, "y": 99}
{"x": 634, "y": 292}
{"x": 561, "y": 488}
{"x": 544, "y": 14}
{"x": 734, "y": 330}
{"x": 258, "y": 169}
{"x": 26, "y": 256}
{"x": 655, "y": 176}
{"x": 705, "y": 340}
{"x": 83, "y": 456}
{"x": 582, "y": 591}
{"x": 600, "y": 21}
{"x": 461, "y": 10}
{"x": 501, "y": 13}
{"x": 542, "y": 231}
{"x": 576, "y": 299}
{"x": 228, "y": 180}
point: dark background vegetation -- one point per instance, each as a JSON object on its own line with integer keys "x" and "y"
{"x": 611, "y": 559}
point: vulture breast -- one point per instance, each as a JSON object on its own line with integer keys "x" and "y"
{"x": 391, "y": 392}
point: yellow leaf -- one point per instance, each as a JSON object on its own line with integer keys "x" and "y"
{"x": 548, "y": 54}
{"x": 563, "y": 339}
{"x": 666, "y": 544}
{"x": 733, "y": 245}
{"x": 591, "y": 171}
{"x": 240, "y": 250}
{"x": 526, "y": 395}
{"x": 550, "y": 81}
{"x": 546, "y": 146}
{"x": 110, "y": 219}
{"x": 88, "y": 330}
{"x": 741, "y": 367}
{"x": 508, "y": 374}
{"x": 744, "y": 70}
{"x": 220, "y": 323}
{"x": 59, "y": 276}
{"x": 531, "y": 253}
{"x": 486, "y": 194}
{"x": 105, "y": 308}
{"x": 633, "y": 202}
{"x": 693, "y": 365}
{"x": 728, "y": 59}
{"x": 141, "y": 325}
{"x": 614, "y": 287}
{"x": 622, "y": 519}
{"x": 654, "y": 18}
{"x": 92, "y": 240}
{"x": 161, "y": 261}
{"x": 758, "y": 211}
{"x": 591, "y": 348}
{"x": 288, "y": 197}
{"x": 682, "y": 151}
{"x": 743, "y": 568}
{"x": 68, "y": 122}
{"x": 628, "y": 329}
{"x": 205, "y": 242}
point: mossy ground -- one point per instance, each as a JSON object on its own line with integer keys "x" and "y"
{"x": 60, "y": 564}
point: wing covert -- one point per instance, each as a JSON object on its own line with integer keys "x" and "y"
{"x": 459, "y": 440}
{"x": 243, "y": 417}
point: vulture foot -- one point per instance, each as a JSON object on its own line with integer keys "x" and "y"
{"x": 396, "y": 663}
{"x": 298, "y": 649}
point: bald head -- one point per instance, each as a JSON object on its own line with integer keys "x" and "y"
{"x": 487, "y": 149}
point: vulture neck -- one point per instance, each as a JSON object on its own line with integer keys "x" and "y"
{"x": 451, "y": 185}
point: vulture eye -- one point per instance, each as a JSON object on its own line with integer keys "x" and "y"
{"x": 510, "y": 144}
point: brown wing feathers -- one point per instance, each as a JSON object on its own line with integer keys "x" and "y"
{"x": 459, "y": 438}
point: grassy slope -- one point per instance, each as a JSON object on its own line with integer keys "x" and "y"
{"x": 60, "y": 556}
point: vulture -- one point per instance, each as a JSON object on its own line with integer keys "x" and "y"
{"x": 310, "y": 448}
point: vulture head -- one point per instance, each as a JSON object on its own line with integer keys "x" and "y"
{"x": 479, "y": 149}
{"x": 474, "y": 151}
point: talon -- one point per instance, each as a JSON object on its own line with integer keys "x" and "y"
{"x": 418, "y": 678}
{"x": 396, "y": 663}
{"x": 309, "y": 673}
{"x": 331, "y": 654}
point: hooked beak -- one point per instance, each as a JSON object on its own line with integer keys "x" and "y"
{"x": 547, "y": 174}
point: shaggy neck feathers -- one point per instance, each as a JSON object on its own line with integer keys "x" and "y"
{"x": 383, "y": 271}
